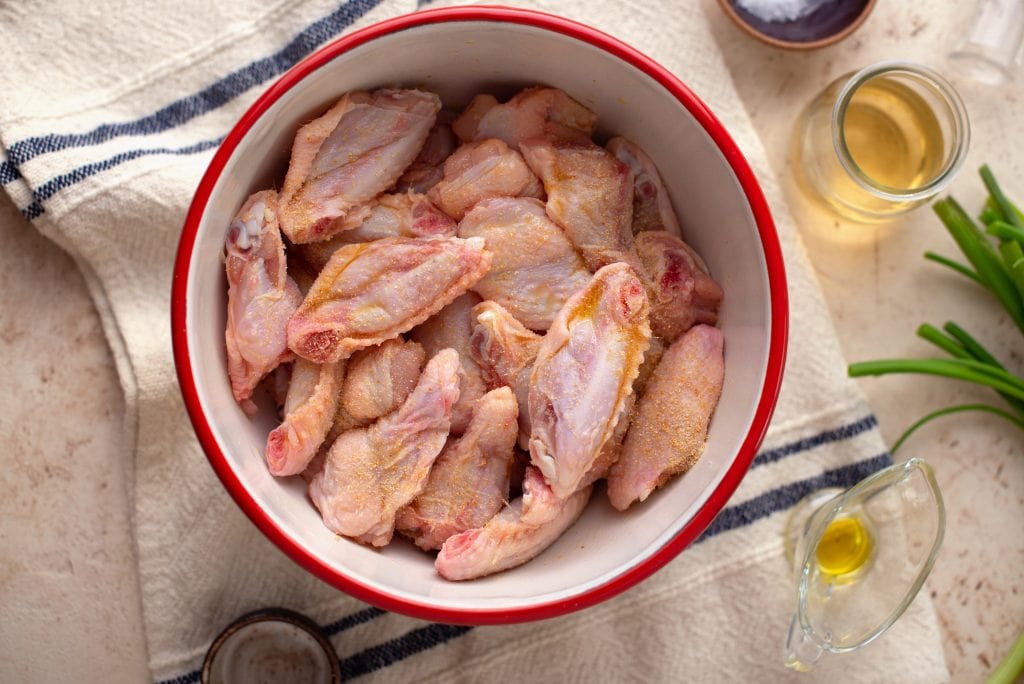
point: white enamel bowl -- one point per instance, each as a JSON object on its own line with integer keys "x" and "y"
{"x": 457, "y": 53}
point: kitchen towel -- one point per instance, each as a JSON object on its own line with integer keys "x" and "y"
{"x": 109, "y": 114}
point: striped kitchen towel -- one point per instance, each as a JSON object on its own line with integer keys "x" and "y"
{"x": 109, "y": 114}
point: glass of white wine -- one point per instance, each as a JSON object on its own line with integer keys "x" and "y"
{"x": 879, "y": 142}
{"x": 859, "y": 557}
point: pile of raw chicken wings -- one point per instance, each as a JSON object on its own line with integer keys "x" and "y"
{"x": 468, "y": 319}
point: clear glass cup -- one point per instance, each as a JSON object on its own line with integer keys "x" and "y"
{"x": 876, "y": 143}
{"x": 989, "y": 50}
{"x": 859, "y": 557}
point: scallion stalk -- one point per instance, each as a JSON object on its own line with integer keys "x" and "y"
{"x": 982, "y": 256}
{"x": 1011, "y": 666}
{"x": 999, "y": 271}
{"x": 958, "y": 369}
{"x": 1003, "y": 230}
{"x": 1010, "y": 212}
{"x": 955, "y": 409}
{"x": 955, "y": 265}
{"x": 932, "y": 334}
{"x": 1013, "y": 258}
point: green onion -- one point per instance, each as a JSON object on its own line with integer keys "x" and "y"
{"x": 990, "y": 214}
{"x": 934, "y": 335}
{"x": 999, "y": 271}
{"x": 959, "y": 369}
{"x": 1013, "y": 258}
{"x": 956, "y": 409}
{"x": 972, "y": 346}
{"x": 1002, "y": 229}
{"x": 978, "y": 352}
{"x": 1012, "y": 665}
{"x": 982, "y": 255}
{"x": 955, "y": 265}
{"x": 1010, "y": 213}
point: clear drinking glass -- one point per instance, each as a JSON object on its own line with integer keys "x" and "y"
{"x": 879, "y": 142}
{"x": 859, "y": 557}
{"x": 987, "y": 52}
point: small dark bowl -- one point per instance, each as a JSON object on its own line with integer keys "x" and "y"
{"x": 828, "y": 24}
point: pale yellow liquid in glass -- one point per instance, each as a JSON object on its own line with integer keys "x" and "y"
{"x": 893, "y": 135}
{"x": 893, "y": 145}
{"x": 844, "y": 548}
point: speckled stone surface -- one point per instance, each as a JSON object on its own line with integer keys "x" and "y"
{"x": 68, "y": 590}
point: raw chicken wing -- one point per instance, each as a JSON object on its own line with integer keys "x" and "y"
{"x": 681, "y": 291}
{"x": 501, "y": 345}
{"x": 528, "y": 114}
{"x": 309, "y": 410}
{"x": 261, "y": 296}
{"x": 652, "y": 357}
{"x": 668, "y": 434}
{"x": 467, "y": 124}
{"x": 469, "y": 481}
{"x": 482, "y": 169}
{"x": 402, "y": 215}
{"x": 540, "y": 505}
{"x": 349, "y": 155}
{"x": 371, "y": 292}
{"x": 505, "y": 541}
{"x": 652, "y": 207}
{"x": 428, "y": 167}
{"x": 452, "y": 328}
{"x": 505, "y": 350}
{"x": 584, "y": 373}
{"x": 590, "y": 195}
{"x": 538, "y": 496}
{"x": 377, "y": 380}
{"x": 535, "y": 268}
{"x": 371, "y": 473}
{"x": 380, "y": 378}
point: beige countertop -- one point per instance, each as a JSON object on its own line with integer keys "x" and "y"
{"x": 68, "y": 590}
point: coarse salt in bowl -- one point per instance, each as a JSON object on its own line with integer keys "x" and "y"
{"x": 459, "y": 52}
{"x": 798, "y": 24}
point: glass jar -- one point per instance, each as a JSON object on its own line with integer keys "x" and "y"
{"x": 877, "y": 143}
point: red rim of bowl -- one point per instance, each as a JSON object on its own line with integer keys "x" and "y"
{"x": 776, "y": 353}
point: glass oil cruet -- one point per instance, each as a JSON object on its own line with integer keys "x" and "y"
{"x": 860, "y": 556}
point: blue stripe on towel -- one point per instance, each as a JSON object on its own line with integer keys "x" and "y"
{"x": 409, "y": 644}
{"x": 788, "y": 495}
{"x": 345, "y": 623}
{"x": 209, "y": 98}
{"x": 732, "y": 517}
{"x": 55, "y": 185}
{"x": 190, "y": 678}
{"x": 835, "y": 435}
{"x": 8, "y": 172}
